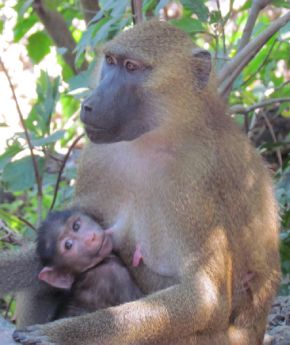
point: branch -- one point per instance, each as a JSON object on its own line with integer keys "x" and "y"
{"x": 226, "y": 86}
{"x": 27, "y": 137}
{"x": 228, "y": 74}
{"x": 257, "y": 6}
{"x": 261, "y": 65}
{"x": 279, "y": 87}
{"x": 65, "y": 159}
{"x": 136, "y": 8}
{"x": 26, "y": 222}
{"x": 90, "y": 8}
{"x": 239, "y": 109}
{"x": 58, "y": 31}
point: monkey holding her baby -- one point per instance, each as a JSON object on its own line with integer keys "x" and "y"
{"x": 167, "y": 170}
{"x": 77, "y": 256}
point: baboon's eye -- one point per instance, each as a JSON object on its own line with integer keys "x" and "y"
{"x": 76, "y": 225}
{"x": 110, "y": 60}
{"x": 68, "y": 244}
{"x": 131, "y": 66}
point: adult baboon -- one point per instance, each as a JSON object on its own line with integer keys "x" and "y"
{"x": 170, "y": 171}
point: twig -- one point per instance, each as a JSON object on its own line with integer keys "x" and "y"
{"x": 216, "y": 51}
{"x": 223, "y": 28}
{"x": 228, "y": 15}
{"x": 52, "y": 156}
{"x": 246, "y": 122}
{"x": 257, "y": 6}
{"x": 277, "y": 150}
{"x": 279, "y": 87}
{"x": 244, "y": 110}
{"x": 34, "y": 162}
{"x": 234, "y": 67}
{"x": 27, "y": 223}
{"x": 136, "y": 8}
{"x": 65, "y": 159}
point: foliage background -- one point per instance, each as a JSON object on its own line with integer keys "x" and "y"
{"x": 47, "y": 66}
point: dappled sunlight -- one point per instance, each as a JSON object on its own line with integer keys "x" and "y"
{"x": 22, "y": 72}
{"x": 210, "y": 292}
{"x": 142, "y": 315}
{"x": 239, "y": 336}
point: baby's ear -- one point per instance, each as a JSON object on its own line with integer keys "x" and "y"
{"x": 55, "y": 278}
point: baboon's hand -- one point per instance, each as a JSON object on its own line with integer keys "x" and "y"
{"x": 60, "y": 332}
{"x": 32, "y": 335}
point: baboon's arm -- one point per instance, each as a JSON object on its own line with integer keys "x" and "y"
{"x": 178, "y": 311}
{"x": 18, "y": 269}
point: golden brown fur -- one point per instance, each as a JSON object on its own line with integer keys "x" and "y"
{"x": 197, "y": 198}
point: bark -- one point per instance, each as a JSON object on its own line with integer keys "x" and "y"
{"x": 57, "y": 29}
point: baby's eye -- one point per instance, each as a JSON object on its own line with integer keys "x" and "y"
{"x": 68, "y": 244}
{"x": 76, "y": 225}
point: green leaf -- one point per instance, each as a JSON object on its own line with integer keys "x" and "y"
{"x": 115, "y": 8}
{"x": 50, "y": 139}
{"x": 10, "y": 152}
{"x": 188, "y": 25}
{"x": 97, "y": 17}
{"x": 22, "y": 6}
{"x": 39, "y": 118}
{"x": 12, "y": 221}
{"x": 103, "y": 32}
{"x": 285, "y": 29}
{"x": 197, "y": 7}
{"x": 19, "y": 175}
{"x": 284, "y": 235}
{"x": 68, "y": 10}
{"x": 246, "y": 6}
{"x": 261, "y": 25}
{"x": 23, "y": 26}
{"x": 119, "y": 8}
{"x": 83, "y": 79}
{"x": 85, "y": 41}
{"x": 69, "y": 105}
{"x": 286, "y": 266}
{"x": 38, "y": 46}
{"x": 1, "y": 26}
{"x": 148, "y": 5}
{"x": 67, "y": 71}
{"x": 281, "y": 3}
{"x": 215, "y": 17}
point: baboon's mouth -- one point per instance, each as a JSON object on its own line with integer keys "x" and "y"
{"x": 105, "y": 247}
{"x": 95, "y": 129}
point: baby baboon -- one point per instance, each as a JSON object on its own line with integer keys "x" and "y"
{"x": 77, "y": 256}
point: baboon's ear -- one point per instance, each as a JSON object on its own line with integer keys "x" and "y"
{"x": 53, "y": 277}
{"x": 201, "y": 62}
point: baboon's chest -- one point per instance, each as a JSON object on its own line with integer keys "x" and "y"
{"x": 128, "y": 192}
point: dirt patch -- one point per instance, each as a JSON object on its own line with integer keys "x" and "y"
{"x": 278, "y": 330}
